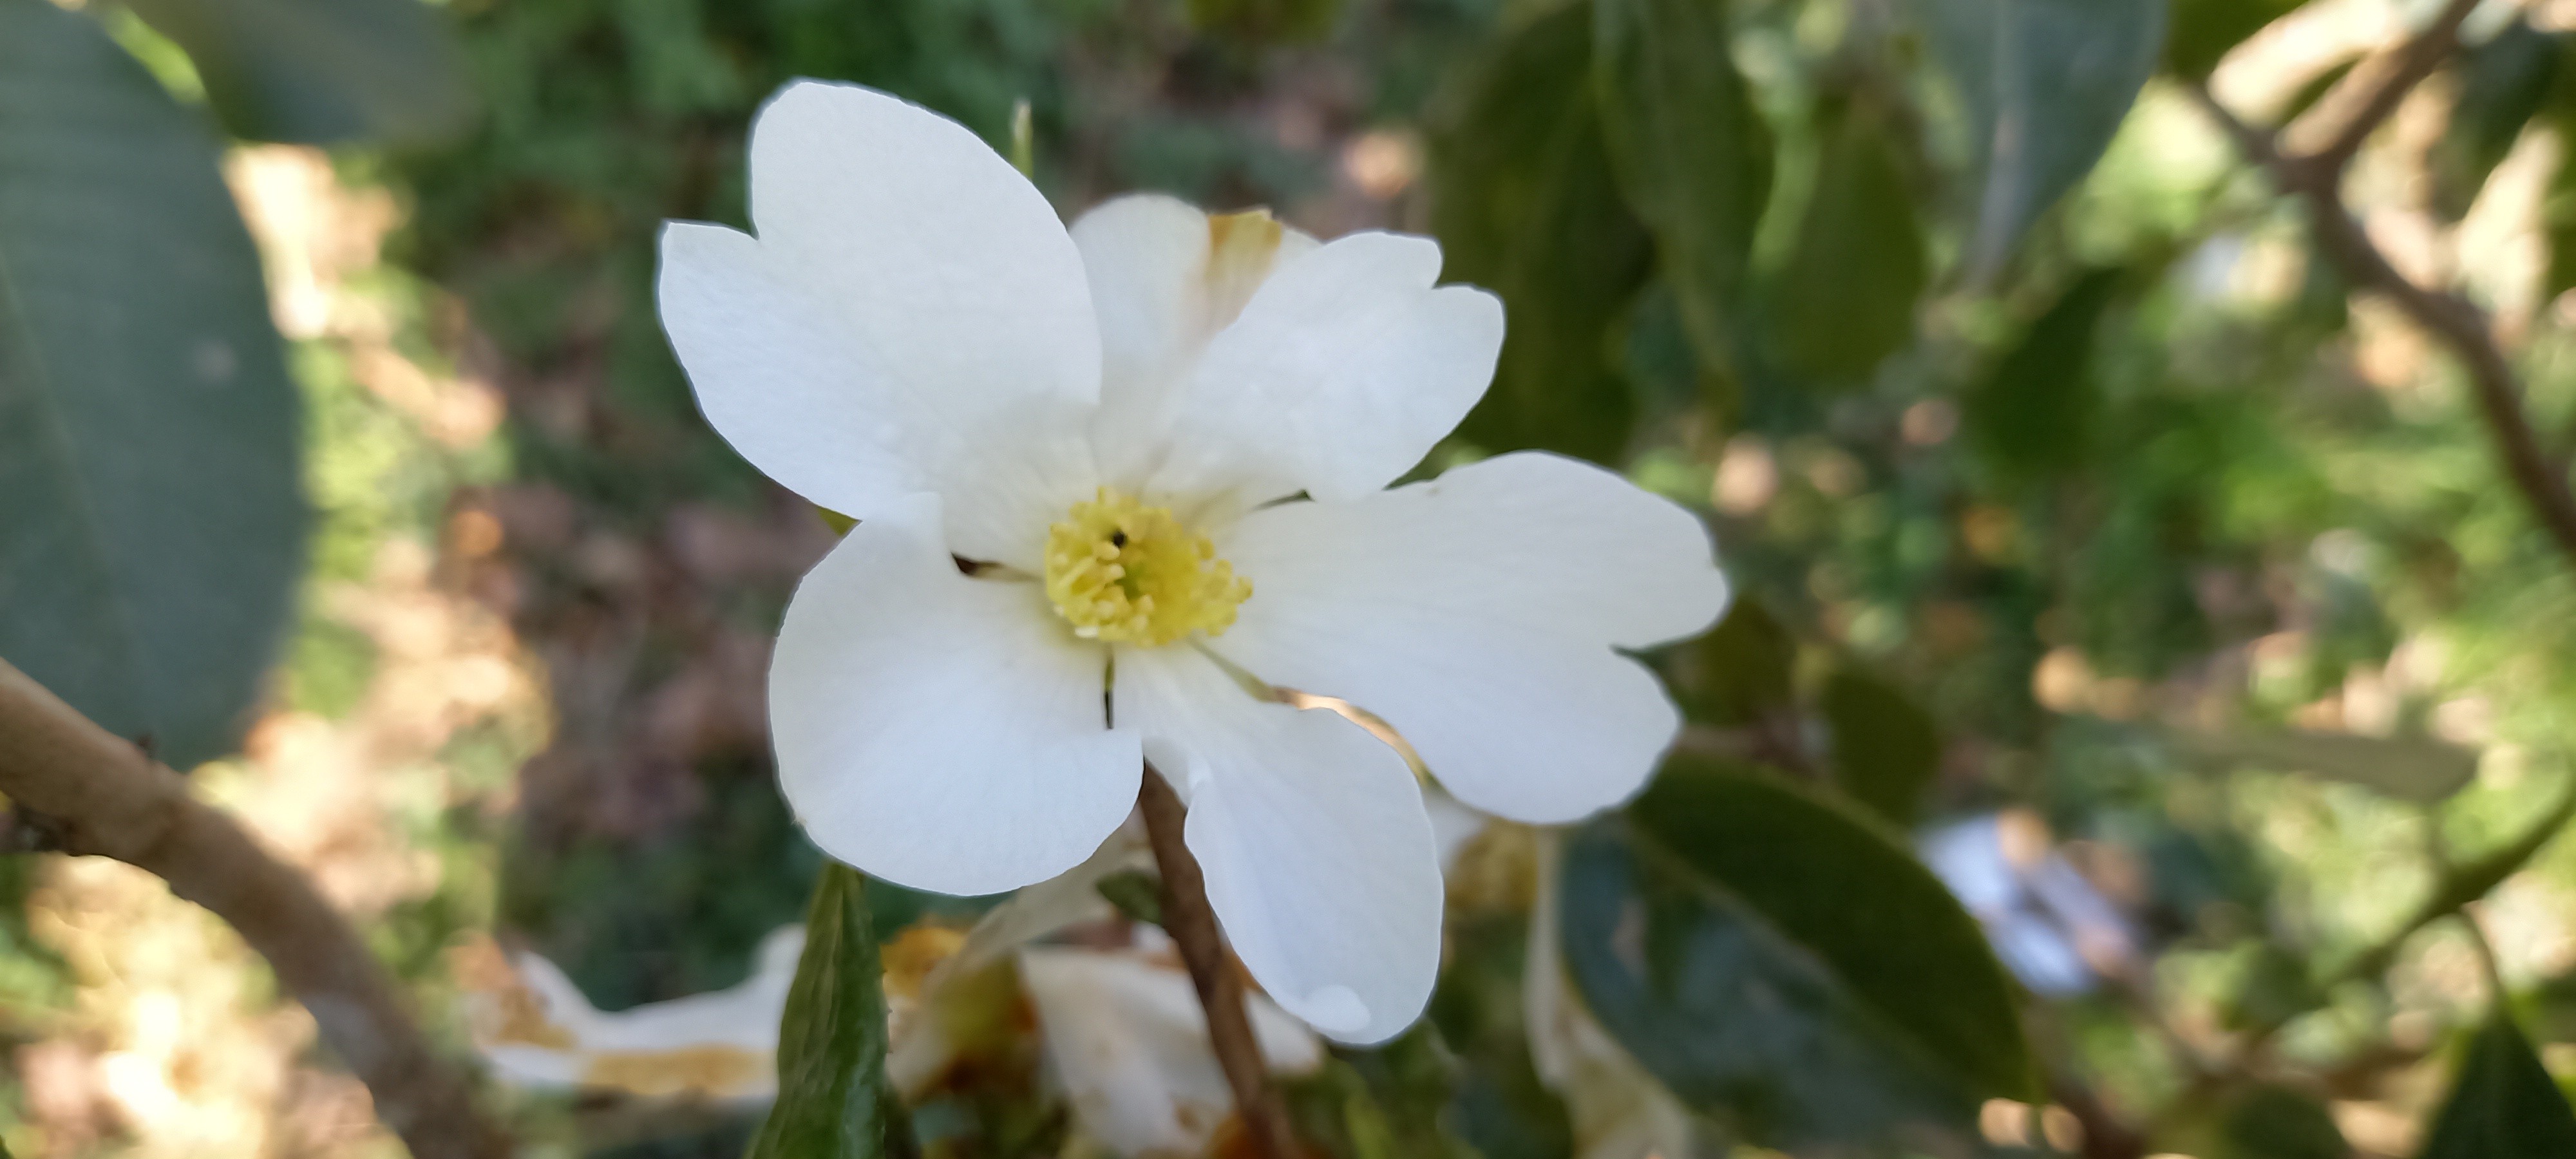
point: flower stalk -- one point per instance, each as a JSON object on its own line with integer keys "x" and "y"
{"x": 1191, "y": 922}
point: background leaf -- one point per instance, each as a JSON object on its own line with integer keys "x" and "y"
{"x": 1744, "y": 669}
{"x": 1886, "y": 748}
{"x": 321, "y": 71}
{"x": 2408, "y": 768}
{"x": 1525, "y": 206}
{"x": 2034, "y": 414}
{"x": 1846, "y": 300}
{"x": 1692, "y": 154}
{"x": 833, "y": 1101}
{"x": 2045, "y": 83}
{"x": 2275, "y": 1122}
{"x": 154, "y": 522}
{"x": 2504, "y": 1103}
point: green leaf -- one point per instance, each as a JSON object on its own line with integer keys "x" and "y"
{"x": 1846, "y": 300}
{"x": 1691, "y": 153}
{"x": 2503, "y": 84}
{"x": 1743, "y": 669}
{"x": 1136, "y": 893}
{"x": 2418, "y": 769}
{"x": 2274, "y": 1122}
{"x": 2204, "y": 31}
{"x": 833, "y": 1101}
{"x": 2504, "y": 1105}
{"x": 1782, "y": 963}
{"x": 321, "y": 71}
{"x": 2045, "y": 85}
{"x": 1525, "y": 206}
{"x": 2034, "y": 415}
{"x": 1886, "y": 748}
{"x": 154, "y": 525}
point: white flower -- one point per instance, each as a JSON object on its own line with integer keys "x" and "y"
{"x": 1077, "y": 460}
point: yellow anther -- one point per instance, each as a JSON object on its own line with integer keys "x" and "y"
{"x": 1124, "y": 573}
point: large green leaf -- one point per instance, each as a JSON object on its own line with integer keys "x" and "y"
{"x": 1690, "y": 150}
{"x": 1846, "y": 300}
{"x": 2044, "y": 85}
{"x": 2034, "y": 414}
{"x": 154, "y": 524}
{"x": 2504, "y": 1105}
{"x": 1525, "y": 205}
{"x": 1781, "y": 962}
{"x": 321, "y": 71}
{"x": 833, "y": 1101}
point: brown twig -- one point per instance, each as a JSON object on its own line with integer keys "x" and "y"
{"x": 105, "y": 797}
{"x": 2450, "y": 318}
{"x": 1192, "y": 924}
{"x": 2407, "y": 67}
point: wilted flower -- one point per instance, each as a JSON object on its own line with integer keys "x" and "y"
{"x": 538, "y": 1030}
{"x": 1112, "y": 486}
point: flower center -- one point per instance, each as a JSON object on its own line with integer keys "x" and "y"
{"x": 1125, "y": 573}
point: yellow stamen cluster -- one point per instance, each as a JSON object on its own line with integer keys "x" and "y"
{"x": 1124, "y": 573}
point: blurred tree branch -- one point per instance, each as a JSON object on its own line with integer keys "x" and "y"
{"x": 1190, "y": 920}
{"x": 2399, "y": 72}
{"x": 2317, "y": 179}
{"x": 93, "y": 793}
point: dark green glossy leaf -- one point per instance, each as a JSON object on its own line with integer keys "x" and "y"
{"x": 1525, "y": 205}
{"x": 1847, "y": 299}
{"x": 1850, "y": 891}
{"x": 1690, "y": 150}
{"x": 2034, "y": 414}
{"x": 1886, "y": 748}
{"x": 2204, "y": 30}
{"x": 154, "y": 521}
{"x": 2503, "y": 84}
{"x": 1784, "y": 964}
{"x": 2045, "y": 84}
{"x": 833, "y": 1101}
{"x": 1743, "y": 669}
{"x": 1741, "y": 1022}
{"x": 2503, "y": 1105}
{"x": 321, "y": 71}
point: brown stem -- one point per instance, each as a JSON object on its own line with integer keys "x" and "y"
{"x": 2450, "y": 318}
{"x": 103, "y": 796}
{"x": 1192, "y": 924}
{"x": 2406, "y": 67}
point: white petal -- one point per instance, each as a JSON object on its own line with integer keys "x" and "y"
{"x": 940, "y": 731}
{"x": 1129, "y": 1041}
{"x": 912, "y": 317}
{"x": 1477, "y": 613}
{"x": 1346, "y": 366}
{"x": 1165, "y": 278}
{"x": 1319, "y": 858}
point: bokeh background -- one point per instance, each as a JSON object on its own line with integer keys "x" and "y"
{"x": 2090, "y": 533}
